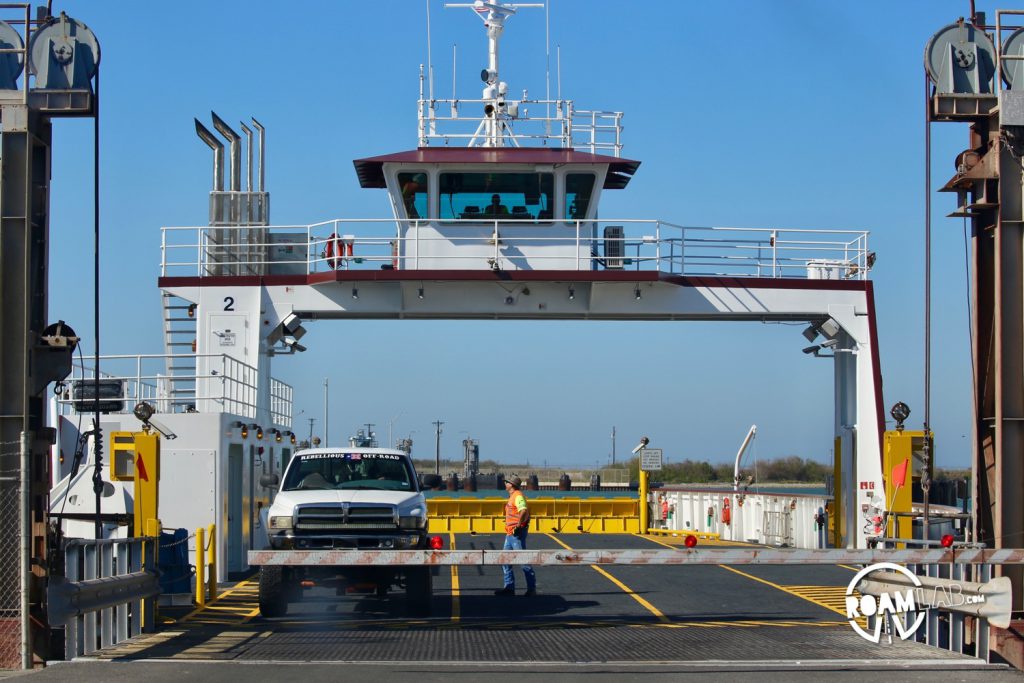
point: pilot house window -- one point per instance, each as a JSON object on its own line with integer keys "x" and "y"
{"x": 414, "y": 194}
{"x": 486, "y": 196}
{"x": 579, "y": 187}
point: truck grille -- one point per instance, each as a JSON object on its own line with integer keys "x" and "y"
{"x": 345, "y": 517}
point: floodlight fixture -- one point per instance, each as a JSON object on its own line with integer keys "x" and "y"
{"x": 640, "y": 446}
{"x": 143, "y": 411}
{"x": 830, "y": 328}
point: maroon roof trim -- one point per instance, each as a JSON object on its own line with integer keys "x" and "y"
{"x": 513, "y": 276}
{"x": 371, "y": 173}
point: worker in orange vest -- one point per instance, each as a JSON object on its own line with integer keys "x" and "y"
{"x": 517, "y": 523}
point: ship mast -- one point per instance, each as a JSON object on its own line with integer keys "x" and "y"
{"x": 491, "y": 131}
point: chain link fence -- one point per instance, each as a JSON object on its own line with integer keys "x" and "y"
{"x": 10, "y": 553}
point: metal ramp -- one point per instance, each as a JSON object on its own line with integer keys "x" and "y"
{"x": 754, "y": 617}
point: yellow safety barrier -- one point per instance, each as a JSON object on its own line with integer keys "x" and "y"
{"x": 206, "y": 565}
{"x": 200, "y": 566}
{"x": 548, "y": 515}
{"x": 211, "y": 561}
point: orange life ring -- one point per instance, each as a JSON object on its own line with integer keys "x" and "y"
{"x": 337, "y": 250}
{"x": 726, "y": 512}
{"x": 334, "y": 250}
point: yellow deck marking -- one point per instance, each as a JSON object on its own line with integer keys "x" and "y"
{"x": 654, "y": 540}
{"x": 784, "y": 589}
{"x": 833, "y": 596}
{"x": 456, "y": 608}
{"x": 244, "y": 586}
{"x": 629, "y": 591}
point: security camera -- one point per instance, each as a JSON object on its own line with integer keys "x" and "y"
{"x": 829, "y": 344}
{"x": 293, "y": 344}
{"x": 643, "y": 444}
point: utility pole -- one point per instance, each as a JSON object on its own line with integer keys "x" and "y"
{"x": 311, "y": 421}
{"x": 369, "y": 433}
{"x": 613, "y": 445}
{"x": 437, "y": 446}
{"x": 327, "y": 439}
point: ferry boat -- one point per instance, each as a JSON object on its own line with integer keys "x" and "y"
{"x": 494, "y": 215}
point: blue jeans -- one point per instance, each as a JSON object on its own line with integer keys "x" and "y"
{"x": 517, "y": 541}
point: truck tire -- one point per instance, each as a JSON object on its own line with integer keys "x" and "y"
{"x": 419, "y": 591}
{"x": 272, "y": 598}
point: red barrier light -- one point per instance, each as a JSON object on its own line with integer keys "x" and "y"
{"x": 691, "y": 541}
{"x": 436, "y": 543}
{"x": 947, "y": 541}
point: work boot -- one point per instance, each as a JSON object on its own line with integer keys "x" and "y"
{"x": 507, "y": 590}
{"x": 530, "y": 592}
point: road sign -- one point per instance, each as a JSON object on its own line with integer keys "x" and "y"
{"x": 650, "y": 459}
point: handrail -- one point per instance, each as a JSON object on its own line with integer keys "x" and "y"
{"x": 228, "y": 382}
{"x": 569, "y": 128}
{"x": 470, "y": 244}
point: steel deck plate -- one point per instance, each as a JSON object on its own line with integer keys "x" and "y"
{"x": 615, "y": 613}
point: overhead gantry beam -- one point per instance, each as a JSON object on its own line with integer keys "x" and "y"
{"x": 238, "y": 314}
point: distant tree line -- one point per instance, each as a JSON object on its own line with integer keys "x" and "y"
{"x": 789, "y": 469}
{"x": 792, "y": 468}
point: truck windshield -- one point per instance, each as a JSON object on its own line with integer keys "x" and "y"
{"x": 349, "y": 471}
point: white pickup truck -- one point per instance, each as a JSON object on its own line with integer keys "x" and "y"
{"x": 347, "y": 498}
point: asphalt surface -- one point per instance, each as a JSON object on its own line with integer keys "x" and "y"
{"x": 618, "y": 621}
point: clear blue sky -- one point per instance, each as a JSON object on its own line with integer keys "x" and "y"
{"x": 797, "y": 113}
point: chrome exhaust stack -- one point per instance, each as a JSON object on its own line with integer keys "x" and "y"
{"x": 218, "y": 155}
{"x": 262, "y": 167}
{"x": 239, "y": 243}
{"x": 235, "y": 151}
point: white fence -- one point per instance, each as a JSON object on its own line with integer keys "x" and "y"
{"x": 790, "y": 520}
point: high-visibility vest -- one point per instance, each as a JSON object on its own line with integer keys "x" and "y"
{"x": 514, "y": 518}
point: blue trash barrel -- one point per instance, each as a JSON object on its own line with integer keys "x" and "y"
{"x": 175, "y": 572}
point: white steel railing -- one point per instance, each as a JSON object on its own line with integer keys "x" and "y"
{"x": 612, "y": 245}
{"x": 226, "y": 382}
{"x": 441, "y": 122}
{"x": 782, "y": 519}
{"x": 280, "y": 402}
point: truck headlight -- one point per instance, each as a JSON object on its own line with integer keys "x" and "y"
{"x": 281, "y": 522}
{"x": 415, "y": 518}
